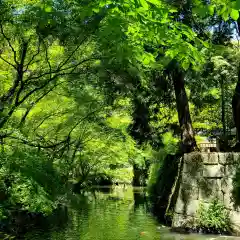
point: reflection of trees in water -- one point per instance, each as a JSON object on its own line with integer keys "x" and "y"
{"x": 140, "y": 200}
{"x": 59, "y": 218}
{"x": 88, "y": 218}
{"x": 79, "y": 213}
{"x": 137, "y": 212}
{"x": 45, "y": 226}
{"x": 106, "y": 190}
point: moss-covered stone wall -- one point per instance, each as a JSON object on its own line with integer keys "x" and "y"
{"x": 204, "y": 177}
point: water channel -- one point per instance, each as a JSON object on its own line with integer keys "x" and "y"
{"x": 117, "y": 213}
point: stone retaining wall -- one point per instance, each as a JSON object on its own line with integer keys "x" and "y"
{"x": 204, "y": 177}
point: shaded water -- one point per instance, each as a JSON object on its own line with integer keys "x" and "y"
{"x": 117, "y": 214}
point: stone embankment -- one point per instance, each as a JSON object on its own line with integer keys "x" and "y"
{"x": 206, "y": 176}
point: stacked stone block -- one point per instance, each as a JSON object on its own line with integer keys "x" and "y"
{"x": 206, "y": 176}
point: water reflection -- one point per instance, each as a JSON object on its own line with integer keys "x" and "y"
{"x": 103, "y": 189}
{"x": 116, "y": 214}
{"x": 107, "y": 214}
{"x": 140, "y": 199}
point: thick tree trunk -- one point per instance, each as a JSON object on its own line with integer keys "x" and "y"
{"x": 184, "y": 117}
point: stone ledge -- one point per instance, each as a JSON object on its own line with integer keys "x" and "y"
{"x": 193, "y": 164}
{"x": 190, "y": 179}
{"x": 235, "y": 217}
{"x": 228, "y": 202}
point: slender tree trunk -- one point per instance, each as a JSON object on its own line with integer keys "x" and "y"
{"x": 236, "y": 107}
{"x": 184, "y": 117}
{"x": 236, "y": 99}
{"x": 223, "y": 107}
{"x": 136, "y": 176}
{"x": 140, "y": 130}
{"x": 12, "y": 97}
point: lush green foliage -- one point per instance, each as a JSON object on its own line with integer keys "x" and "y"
{"x": 170, "y": 147}
{"x": 214, "y": 217}
{"x": 86, "y": 91}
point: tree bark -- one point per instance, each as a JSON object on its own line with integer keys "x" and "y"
{"x": 223, "y": 107}
{"x": 136, "y": 182}
{"x": 188, "y": 143}
{"x": 236, "y": 107}
{"x": 236, "y": 99}
{"x": 140, "y": 130}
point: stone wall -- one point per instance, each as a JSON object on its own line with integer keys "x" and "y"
{"x": 204, "y": 177}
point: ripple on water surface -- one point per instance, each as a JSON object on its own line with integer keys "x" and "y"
{"x": 121, "y": 214}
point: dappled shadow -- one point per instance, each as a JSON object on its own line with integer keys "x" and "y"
{"x": 203, "y": 178}
{"x": 200, "y": 180}
{"x": 192, "y": 180}
{"x": 208, "y": 178}
{"x": 189, "y": 181}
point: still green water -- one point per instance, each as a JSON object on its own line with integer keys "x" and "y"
{"x": 118, "y": 214}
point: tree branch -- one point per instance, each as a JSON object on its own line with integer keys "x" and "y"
{"x": 31, "y": 144}
{"x": 9, "y": 43}
{"x": 59, "y": 72}
{"x": 47, "y": 117}
{"x": 34, "y": 103}
{"x": 20, "y": 70}
{"x": 72, "y": 53}
{"x": 33, "y": 57}
{"x": 82, "y": 119}
{"x": 77, "y": 145}
{"x": 8, "y": 62}
{"x": 78, "y": 64}
{"x": 47, "y": 58}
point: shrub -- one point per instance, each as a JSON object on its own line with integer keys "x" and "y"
{"x": 214, "y": 218}
{"x": 28, "y": 182}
